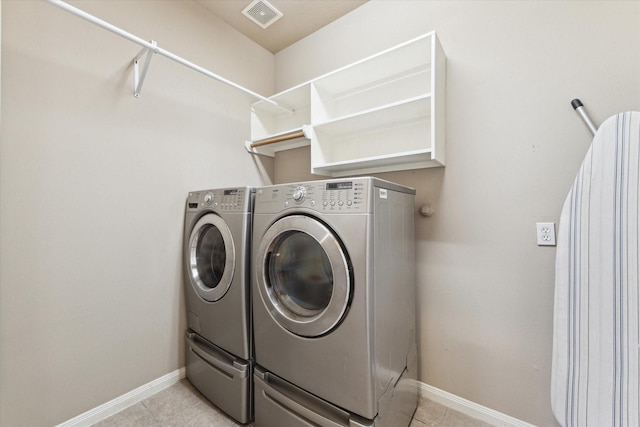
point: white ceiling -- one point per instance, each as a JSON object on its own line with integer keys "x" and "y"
{"x": 300, "y": 18}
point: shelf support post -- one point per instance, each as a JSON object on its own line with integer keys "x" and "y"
{"x": 138, "y": 76}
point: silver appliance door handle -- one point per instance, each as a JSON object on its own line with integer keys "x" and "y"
{"x": 227, "y": 367}
{"x": 335, "y": 417}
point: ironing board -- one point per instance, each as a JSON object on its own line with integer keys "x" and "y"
{"x": 595, "y": 367}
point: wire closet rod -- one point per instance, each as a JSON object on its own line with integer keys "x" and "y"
{"x": 153, "y": 47}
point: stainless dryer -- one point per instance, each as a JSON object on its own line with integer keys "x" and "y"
{"x": 219, "y": 347}
{"x": 333, "y": 288}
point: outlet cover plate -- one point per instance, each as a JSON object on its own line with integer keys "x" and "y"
{"x": 546, "y": 233}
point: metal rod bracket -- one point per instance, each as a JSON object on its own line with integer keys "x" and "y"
{"x": 138, "y": 76}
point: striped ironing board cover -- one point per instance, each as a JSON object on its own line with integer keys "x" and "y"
{"x": 595, "y": 367}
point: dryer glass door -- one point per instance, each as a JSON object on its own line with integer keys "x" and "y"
{"x": 304, "y": 276}
{"x": 211, "y": 257}
{"x": 300, "y": 273}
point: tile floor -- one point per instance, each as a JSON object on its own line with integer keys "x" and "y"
{"x": 181, "y": 405}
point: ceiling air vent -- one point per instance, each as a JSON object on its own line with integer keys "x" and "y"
{"x": 262, "y": 13}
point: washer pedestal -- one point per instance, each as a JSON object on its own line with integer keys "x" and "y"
{"x": 220, "y": 376}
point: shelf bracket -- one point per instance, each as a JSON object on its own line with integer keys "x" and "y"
{"x": 138, "y": 77}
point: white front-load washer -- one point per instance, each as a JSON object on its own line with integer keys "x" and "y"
{"x": 219, "y": 345}
{"x": 333, "y": 289}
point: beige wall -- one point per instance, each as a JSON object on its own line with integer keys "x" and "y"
{"x": 92, "y": 187}
{"x": 514, "y": 145}
{"x": 92, "y": 183}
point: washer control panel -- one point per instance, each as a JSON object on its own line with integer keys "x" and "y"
{"x": 342, "y": 196}
{"x": 226, "y": 200}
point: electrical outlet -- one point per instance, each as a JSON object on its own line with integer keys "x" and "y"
{"x": 546, "y": 232}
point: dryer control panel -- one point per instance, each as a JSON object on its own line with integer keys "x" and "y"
{"x": 224, "y": 200}
{"x": 340, "y": 196}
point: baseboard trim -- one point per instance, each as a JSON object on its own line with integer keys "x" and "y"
{"x": 126, "y": 400}
{"x": 427, "y": 391}
{"x": 469, "y": 408}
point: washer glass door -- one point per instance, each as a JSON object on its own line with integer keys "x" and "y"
{"x": 211, "y": 257}
{"x": 303, "y": 276}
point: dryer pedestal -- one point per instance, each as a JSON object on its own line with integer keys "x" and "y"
{"x": 280, "y": 403}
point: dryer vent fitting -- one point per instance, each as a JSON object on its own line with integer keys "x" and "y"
{"x": 426, "y": 210}
{"x": 262, "y": 13}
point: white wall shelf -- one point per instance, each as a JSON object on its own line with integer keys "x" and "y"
{"x": 383, "y": 113}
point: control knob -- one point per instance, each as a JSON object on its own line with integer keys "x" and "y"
{"x": 299, "y": 193}
{"x": 208, "y": 198}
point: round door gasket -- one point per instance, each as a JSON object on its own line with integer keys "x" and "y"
{"x": 323, "y": 322}
{"x": 205, "y": 292}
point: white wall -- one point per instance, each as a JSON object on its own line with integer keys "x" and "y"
{"x": 514, "y": 146}
{"x": 92, "y": 187}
